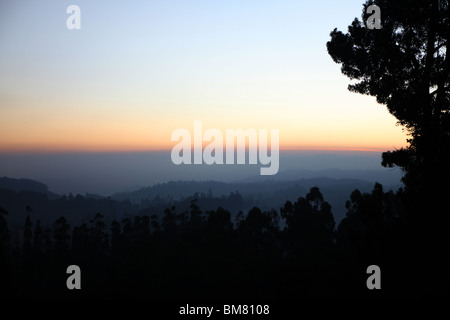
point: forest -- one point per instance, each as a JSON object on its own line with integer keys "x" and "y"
{"x": 294, "y": 252}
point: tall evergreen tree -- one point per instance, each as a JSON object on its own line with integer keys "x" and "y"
{"x": 405, "y": 66}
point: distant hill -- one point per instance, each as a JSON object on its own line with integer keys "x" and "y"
{"x": 180, "y": 189}
{"x": 19, "y": 185}
{"x": 266, "y": 194}
{"x": 385, "y": 176}
{"x": 22, "y": 185}
{"x": 16, "y": 194}
{"x": 74, "y": 208}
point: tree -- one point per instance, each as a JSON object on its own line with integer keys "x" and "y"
{"x": 155, "y": 223}
{"x": 260, "y": 229}
{"x": 4, "y": 234}
{"x": 127, "y": 233}
{"x": 116, "y": 238}
{"x": 62, "y": 237}
{"x": 27, "y": 236}
{"x": 219, "y": 221}
{"x": 169, "y": 223}
{"x": 196, "y": 217}
{"x": 141, "y": 228}
{"x": 38, "y": 239}
{"x": 99, "y": 236}
{"x": 405, "y": 66}
{"x": 309, "y": 223}
{"x": 370, "y": 218}
{"x": 81, "y": 240}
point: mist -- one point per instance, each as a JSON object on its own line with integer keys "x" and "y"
{"x": 108, "y": 173}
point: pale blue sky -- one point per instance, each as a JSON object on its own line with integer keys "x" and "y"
{"x": 137, "y": 70}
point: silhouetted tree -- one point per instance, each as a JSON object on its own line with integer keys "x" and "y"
{"x": 4, "y": 232}
{"x": 369, "y": 220}
{"x": 61, "y": 236}
{"x": 260, "y": 229}
{"x": 141, "y": 227}
{"x": 99, "y": 237}
{"x": 405, "y": 65}
{"x": 155, "y": 223}
{"x": 4, "y": 242}
{"x": 47, "y": 238}
{"x": 127, "y": 233}
{"x": 5, "y": 272}
{"x": 219, "y": 221}
{"x": 239, "y": 218}
{"x": 309, "y": 224}
{"x": 169, "y": 222}
{"x": 116, "y": 238}
{"x": 196, "y": 217}
{"x": 82, "y": 243}
{"x": 370, "y": 233}
{"x": 27, "y": 236}
{"x": 38, "y": 239}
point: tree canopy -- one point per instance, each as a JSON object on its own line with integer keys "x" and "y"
{"x": 405, "y": 66}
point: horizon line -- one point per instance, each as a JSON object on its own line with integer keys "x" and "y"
{"x": 103, "y": 151}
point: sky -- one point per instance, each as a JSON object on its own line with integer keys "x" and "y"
{"x": 138, "y": 70}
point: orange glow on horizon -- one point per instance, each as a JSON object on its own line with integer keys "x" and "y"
{"x": 93, "y": 148}
{"x": 146, "y": 134}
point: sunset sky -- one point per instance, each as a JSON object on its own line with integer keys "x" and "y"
{"x": 138, "y": 70}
